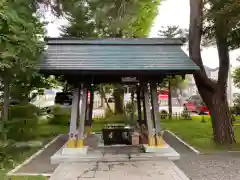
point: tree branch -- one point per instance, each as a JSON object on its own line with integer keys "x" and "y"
{"x": 223, "y": 53}
{"x": 195, "y": 35}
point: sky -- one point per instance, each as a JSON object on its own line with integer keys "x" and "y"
{"x": 171, "y": 12}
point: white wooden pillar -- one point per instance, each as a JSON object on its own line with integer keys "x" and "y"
{"x": 156, "y": 115}
{"x": 80, "y": 142}
{"x": 74, "y": 118}
{"x": 148, "y": 117}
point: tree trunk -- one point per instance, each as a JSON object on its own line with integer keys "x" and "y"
{"x": 108, "y": 106}
{"x": 118, "y": 95}
{"x": 101, "y": 101}
{"x": 6, "y": 84}
{"x": 213, "y": 94}
{"x": 220, "y": 115}
{"x": 104, "y": 99}
{"x": 169, "y": 100}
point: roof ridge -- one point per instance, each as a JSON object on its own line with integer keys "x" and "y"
{"x": 114, "y": 41}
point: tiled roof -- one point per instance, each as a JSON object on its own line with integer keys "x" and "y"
{"x": 116, "y": 54}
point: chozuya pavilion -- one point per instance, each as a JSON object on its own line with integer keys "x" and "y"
{"x": 142, "y": 63}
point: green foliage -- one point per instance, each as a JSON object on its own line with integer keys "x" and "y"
{"x": 20, "y": 34}
{"x": 21, "y": 46}
{"x": 236, "y": 107}
{"x": 218, "y": 12}
{"x": 59, "y": 116}
{"x": 20, "y": 129}
{"x": 90, "y": 19}
{"x": 24, "y": 84}
{"x": 163, "y": 114}
{"x": 186, "y": 115}
{"x": 236, "y": 77}
{"x": 24, "y": 111}
{"x": 173, "y": 31}
{"x": 108, "y": 113}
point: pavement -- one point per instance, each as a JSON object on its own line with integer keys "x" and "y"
{"x": 220, "y": 166}
{"x": 141, "y": 170}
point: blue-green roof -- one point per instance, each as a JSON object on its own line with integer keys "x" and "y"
{"x": 116, "y": 54}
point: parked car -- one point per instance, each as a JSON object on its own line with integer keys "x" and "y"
{"x": 196, "y": 104}
{"x": 63, "y": 98}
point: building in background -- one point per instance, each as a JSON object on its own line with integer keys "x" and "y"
{"x": 213, "y": 74}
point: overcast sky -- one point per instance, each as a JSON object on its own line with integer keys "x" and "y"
{"x": 171, "y": 12}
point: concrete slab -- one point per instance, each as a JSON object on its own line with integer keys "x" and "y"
{"x": 152, "y": 149}
{"x": 119, "y": 170}
{"x": 105, "y": 154}
{"x": 112, "y": 153}
{"x": 74, "y": 151}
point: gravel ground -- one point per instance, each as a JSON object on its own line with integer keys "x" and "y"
{"x": 224, "y": 166}
{"x": 220, "y": 166}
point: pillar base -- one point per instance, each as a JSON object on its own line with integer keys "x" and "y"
{"x": 74, "y": 151}
{"x": 157, "y": 149}
{"x": 71, "y": 143}
{"x": 159, "y": 141}
{"x": 88, "y": 130}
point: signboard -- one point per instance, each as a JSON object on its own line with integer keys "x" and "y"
{"x": 129, "y": 79}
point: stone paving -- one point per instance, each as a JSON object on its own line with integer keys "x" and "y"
{"x": 204, "y": 167}
{"x": 147, "y": 170}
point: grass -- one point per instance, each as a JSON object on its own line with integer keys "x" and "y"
{"x": 45, "y": 133}
{"x": 194, "y": 132}
{"x": 199, "y": 134}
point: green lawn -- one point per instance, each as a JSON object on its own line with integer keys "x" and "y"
{"x": 199, "y": 134}
{"x": 45, "y": 133}
{"x": 194, "y": 132}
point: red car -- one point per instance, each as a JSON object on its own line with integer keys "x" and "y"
{"x": 196, "y": 104}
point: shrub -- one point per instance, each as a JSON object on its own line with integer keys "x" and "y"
{"x": 59, "y": 116}
{"x": 236, "y": 108}
{"x": 163, "y": 114}
{"x": 28, "y": 111}
{"x": 108, "y": 113}
{"x": 21, "y": 129}
{"x": 186, "y": 115}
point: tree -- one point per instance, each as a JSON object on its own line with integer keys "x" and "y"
{"x": 20, "y": 34}
{"x": 172, "y": 31}
{"x": 236, "y": 77}
{"x": 103, "y": 89}
{"x": 221, "y": 17}
{"x": 22, "y": 86}
{"x": 118, "y": 18}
